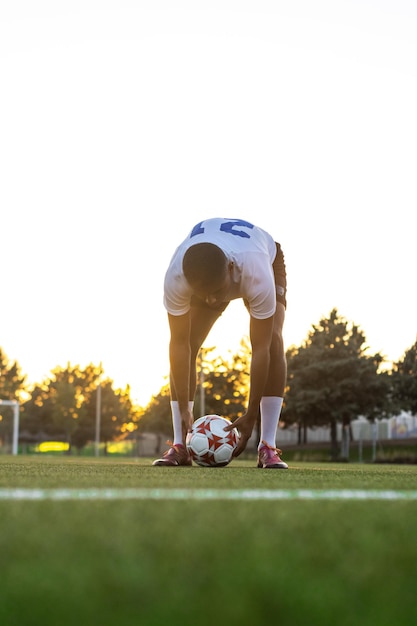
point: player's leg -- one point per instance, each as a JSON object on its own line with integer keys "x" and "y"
{"x": 202, "y": 319}
{"x": 271, "y": 402}
{"x": 277, "y": 375}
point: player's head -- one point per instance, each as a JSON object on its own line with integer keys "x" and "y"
{"x": 205, "y": 267}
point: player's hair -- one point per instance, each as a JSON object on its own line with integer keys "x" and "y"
{"x": 204, "y": 264}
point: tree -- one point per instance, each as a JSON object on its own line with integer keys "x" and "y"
{"x": 67, "y": 404}
{"x": 225, "y": 387}
{"x": 332, "y": 379}
{"x": 12, "y": 383}
{"x": 404, "y": 380}
{"x": 116, "y": 414}
{"x": 225, "y": 383}
{"x": 37, "y": 414}
{"x": 57, "y": 404}
{"x": 64, "y": 406}
{"x": 157, "y": 415}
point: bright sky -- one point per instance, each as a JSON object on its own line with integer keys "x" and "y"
{"x": 125, "y": 122}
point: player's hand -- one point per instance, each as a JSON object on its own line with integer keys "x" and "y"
{"x": 244, "y": 425}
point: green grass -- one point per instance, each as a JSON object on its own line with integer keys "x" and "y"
{"x": 200, "y": 563}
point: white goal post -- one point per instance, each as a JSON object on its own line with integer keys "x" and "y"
{"x": 15, "y": 405}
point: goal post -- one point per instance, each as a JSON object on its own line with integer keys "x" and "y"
{"x": 15, "y": 405}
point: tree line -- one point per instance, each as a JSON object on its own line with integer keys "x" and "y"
{"x": 332, "y": 379}
{"x": 64, "y": 406}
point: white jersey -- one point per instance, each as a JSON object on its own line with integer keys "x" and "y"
{"x": 252, "y": 251}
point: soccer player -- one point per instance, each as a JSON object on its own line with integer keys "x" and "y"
{"x": 220, "y": 260}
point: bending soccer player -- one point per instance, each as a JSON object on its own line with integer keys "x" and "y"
{"x": 219, "y": 261}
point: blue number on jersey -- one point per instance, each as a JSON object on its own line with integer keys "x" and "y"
{"x": 197, "y": 230}
{"x": 226, "y": 227}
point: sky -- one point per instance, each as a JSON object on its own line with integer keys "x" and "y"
{"x": 125, "y": 122}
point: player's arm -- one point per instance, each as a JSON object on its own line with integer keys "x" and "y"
{"x": 260, "y": 337}
{"x": 179, "y": 357}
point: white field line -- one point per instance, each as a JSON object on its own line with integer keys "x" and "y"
{"x": 17, "y": 494}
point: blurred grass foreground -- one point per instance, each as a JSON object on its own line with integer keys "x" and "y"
{"x": 124, "y": 561}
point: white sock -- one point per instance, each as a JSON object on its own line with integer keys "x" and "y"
{"x": 270, "y": 413}
{"x": 176, "y": 420}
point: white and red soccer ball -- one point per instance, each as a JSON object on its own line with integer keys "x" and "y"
{"x": 209, "y": 444}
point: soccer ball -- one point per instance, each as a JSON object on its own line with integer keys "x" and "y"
{"x": 208, "y": 444}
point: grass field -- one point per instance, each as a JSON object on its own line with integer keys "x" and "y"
{"x": 84, "y": 559}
